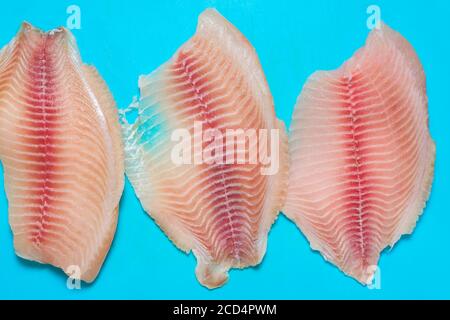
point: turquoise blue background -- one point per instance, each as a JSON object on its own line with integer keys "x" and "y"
{"x": 124, "y": 39}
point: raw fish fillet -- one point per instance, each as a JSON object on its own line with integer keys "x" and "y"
{"x": 362, "y": 157}
{"x": 220, "y": 211}
{"x": 61, "y": 150}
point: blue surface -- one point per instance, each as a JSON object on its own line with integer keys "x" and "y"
{"x": 124, "y": 39}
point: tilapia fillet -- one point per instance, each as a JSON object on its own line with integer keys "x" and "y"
{"x": 222, "y": 211}
{"x": 61, "y": 150}
{"x": 361, "y": 154}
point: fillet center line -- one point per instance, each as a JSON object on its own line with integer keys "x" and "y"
{"x": 43, "y": 80}
{"x": 206, "y": 115}
{"x": 356, "y": 157}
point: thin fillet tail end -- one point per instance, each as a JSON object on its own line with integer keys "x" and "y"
{"x": 211, "y": 276}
